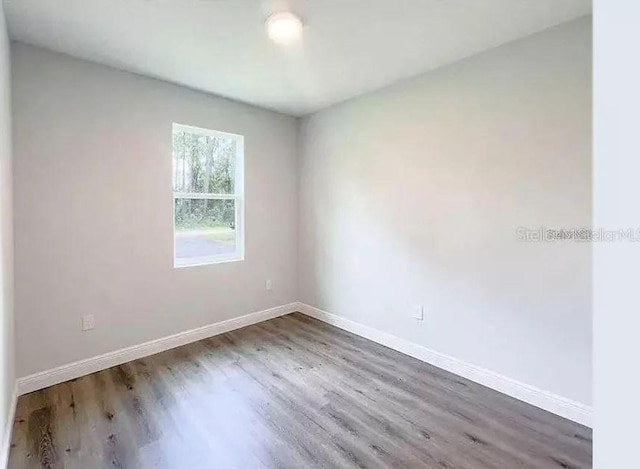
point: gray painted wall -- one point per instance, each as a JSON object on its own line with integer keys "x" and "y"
{"x": 7, "y": 375}
{"x": 93, "y": 204}
{"x": 412, "y": 195}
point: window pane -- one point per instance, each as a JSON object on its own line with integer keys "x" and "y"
{"x": 204, "y": 228}
{"x": 203, "y": 163}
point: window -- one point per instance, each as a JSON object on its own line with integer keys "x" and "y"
{"x": 207, "y": 196}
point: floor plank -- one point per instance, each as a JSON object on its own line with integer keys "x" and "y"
{"x": 292, "y": 392}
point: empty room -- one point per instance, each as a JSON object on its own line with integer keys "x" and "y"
{"x": 299, "y": 234}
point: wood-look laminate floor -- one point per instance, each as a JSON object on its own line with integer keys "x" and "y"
{"x": 289, "y": 393}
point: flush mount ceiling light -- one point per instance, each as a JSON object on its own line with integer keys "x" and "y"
{"x": 284, "y": 28}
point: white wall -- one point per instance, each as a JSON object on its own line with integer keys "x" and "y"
{"x": 413, "y": 194}
{"x": 616, "y": 265}
{"x": 6, "y": 236}
{"x": 93, "y": 205}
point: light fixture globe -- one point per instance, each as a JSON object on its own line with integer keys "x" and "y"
{"x": 284, "y": 28}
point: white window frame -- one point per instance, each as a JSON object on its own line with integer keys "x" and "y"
{"x": 237, "y": 196}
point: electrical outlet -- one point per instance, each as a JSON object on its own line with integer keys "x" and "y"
{"x": 267, "y": 285}
{"x": 88, "y": 322}
{"x": 418, "y": 313}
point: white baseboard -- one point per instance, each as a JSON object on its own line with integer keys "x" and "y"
{"x": 91, "y": 365}
{"x": 8, "y": 430}
{"x": 558, "y": 405}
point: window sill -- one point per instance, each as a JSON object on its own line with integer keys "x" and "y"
{"x": 204, "y": 261}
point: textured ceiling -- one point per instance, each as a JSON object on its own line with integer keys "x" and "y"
{"x": 220, "y": 46}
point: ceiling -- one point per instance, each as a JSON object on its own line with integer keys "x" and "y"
{"x": 220, "y": 46}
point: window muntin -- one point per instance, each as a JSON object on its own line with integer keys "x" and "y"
{"x": 207, "y": 193}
